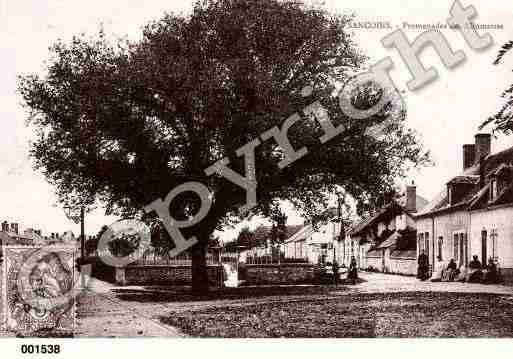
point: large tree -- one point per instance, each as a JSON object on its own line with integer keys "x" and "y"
{"x": 125, "y": 122}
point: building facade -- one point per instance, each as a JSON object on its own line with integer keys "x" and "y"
{"x": 385, "y": 241}
{"x": 473, "y": 214}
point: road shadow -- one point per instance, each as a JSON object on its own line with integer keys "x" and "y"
{"x": 184, "y": 294}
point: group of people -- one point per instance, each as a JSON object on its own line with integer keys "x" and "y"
{"x": 448, "y": 272}
{"x": 352, "y": 273}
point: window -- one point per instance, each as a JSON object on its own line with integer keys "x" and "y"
{"x": 493, "y": 236}
{"x": 440, "y": 245}
{"x": 463, "y": 249}
{"x": 426, "y": 243}
{"x": 455, "y": 243}
{"x": 493, "y": 189}
{"x": 484, "y": 245}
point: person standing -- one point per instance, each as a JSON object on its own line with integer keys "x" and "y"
{"x": 336, "y": 274}
{"x": 353, "y": 271}
{"x": 423, "y": 266}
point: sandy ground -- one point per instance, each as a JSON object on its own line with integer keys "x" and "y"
{"x": 135, "y": 311}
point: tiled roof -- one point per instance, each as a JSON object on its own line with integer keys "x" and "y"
{"x": 468, "y": 179}
{"x": 398, "y": 203}
{"x": 493, "y": 164}
{"x": 372, "y": 219}
{"x": 301, "y": 234}
{"x": 263, "y": 233}
{"x": 390, "y": 241}
{"x": 374, "y": 253}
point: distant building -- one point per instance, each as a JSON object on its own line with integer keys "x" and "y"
{"x": 305, "y": 243}
{"x": 261, "y": 243}
{"x": 385, "y": 241}
{"x": 10, "y": 234}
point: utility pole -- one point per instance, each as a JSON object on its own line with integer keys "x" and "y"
{"x": 342, "y": 233}
{"x": 82, "y": 234}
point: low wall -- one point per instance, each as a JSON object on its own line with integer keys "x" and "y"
{"x": 279, "y": 273}
{"x": 164, "y": 274}
{"x": 395, "y": 265}
{"x": 406, "y": 266}
{"x": 101, "y": 270}
{"x": 252, "y": 274}
{"x": 375, "y": 262}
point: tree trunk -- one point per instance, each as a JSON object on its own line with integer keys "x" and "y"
{"x": 199, "y": 267}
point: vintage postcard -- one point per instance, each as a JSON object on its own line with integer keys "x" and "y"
{"x": 255, "y": 169}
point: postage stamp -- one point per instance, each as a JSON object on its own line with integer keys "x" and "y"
{"x": 38, "y": 283}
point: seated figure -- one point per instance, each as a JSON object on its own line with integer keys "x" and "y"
{"x": 451, "y": 272}
{"x": 474, "y": 273}
{"x": 461, "y": 277}
{"x": 439, "y": 270}
{"x": 491, "y": 274}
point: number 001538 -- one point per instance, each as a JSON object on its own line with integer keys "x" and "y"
{"x": 40, "y": 349}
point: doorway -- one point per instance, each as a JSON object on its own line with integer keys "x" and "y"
{"x": 484, "y": 240}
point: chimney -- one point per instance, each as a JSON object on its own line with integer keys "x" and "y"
{"x": 14, "y": 228}
{"x": 483, "y": 145}
{"x": 411, "y": 198}
{"x": 5, "y": 226}
{"x": 469, "y": 156}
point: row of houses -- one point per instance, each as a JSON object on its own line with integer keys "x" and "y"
{"x": 11, "y": 234}
{"x": 304, "y": 243}
{"x": 472, "y": 215}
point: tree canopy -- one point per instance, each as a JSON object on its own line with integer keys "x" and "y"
{"x": 125, "y": 122}
{"x": 502, "y": 120}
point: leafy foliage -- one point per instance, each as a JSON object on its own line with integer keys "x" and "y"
{"x": 124, "y": 244}
{"x": 91, "y": 244}
{"x": 244, "y": 239}
{"x": 124, "y": 123}
{"x": 503, "y": 51}
{"x": 503, "y": 119}
{"x": 279, "y": 226}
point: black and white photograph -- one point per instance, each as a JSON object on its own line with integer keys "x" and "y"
{"x": 299, "y": 171}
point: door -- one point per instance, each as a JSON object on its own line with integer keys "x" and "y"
{"x": 484, "y": 239}
{"x": 463, "y": 245}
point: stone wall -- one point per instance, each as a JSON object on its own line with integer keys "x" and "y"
{"x": 407, "y": 266}
{"x": 163, "y": 274}
{"x": 279, "y": 273}
{"x": 375, "y": 262}
{"x": 252, "y": 274}
{"x": 395, "y": 265}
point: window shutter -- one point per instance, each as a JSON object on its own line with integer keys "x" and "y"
{"x": 455, "y": 243}
{"x": 466, "y": 250}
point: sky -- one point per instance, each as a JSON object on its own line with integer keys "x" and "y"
{"x": 446, "y": 113}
